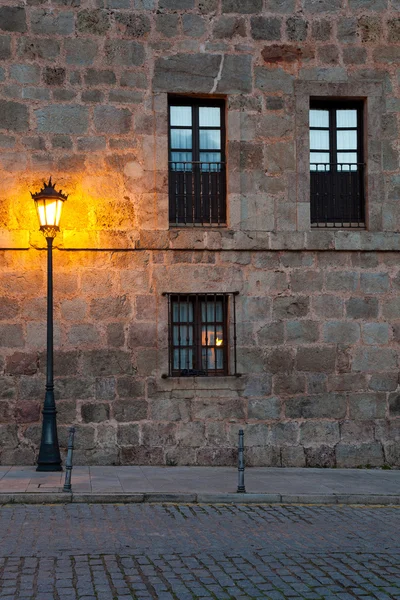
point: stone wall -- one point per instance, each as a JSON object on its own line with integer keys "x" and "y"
{"x": 83, "y": 96}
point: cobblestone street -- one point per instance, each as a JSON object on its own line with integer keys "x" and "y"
{"x": 107, "y": 552}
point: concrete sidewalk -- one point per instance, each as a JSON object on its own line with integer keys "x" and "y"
{"x": 202, "y": 485}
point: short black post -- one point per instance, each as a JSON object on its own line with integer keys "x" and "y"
{"x": 241, "y": 487}
{"x": 49, "y": 453}
{"x": 68, "y": 462}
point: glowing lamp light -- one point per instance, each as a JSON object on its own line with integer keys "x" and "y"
{"x": 49, "y": 205}
{"x": 218, "y": 342}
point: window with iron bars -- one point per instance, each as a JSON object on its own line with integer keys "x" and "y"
{"x": 337, "y": 164}
{"x": 197, "y": 176}
{"x": 202, "y": 334}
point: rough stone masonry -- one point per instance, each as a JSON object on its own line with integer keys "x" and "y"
{"x": 84, "y": 90}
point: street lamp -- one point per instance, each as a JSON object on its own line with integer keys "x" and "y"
{"x": 49, "y": 205}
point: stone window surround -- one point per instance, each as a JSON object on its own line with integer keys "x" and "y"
{"x": 372, "y": 93}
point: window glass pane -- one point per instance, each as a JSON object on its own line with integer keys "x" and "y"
{"x": 181, "y": 161}
{"x": 210, "y": 139}
{"x": 346, "y": 140}
{"x": 183, "y": 335}
{"x": 209, "y": 116}
{"x": 319, "y": 161}
{"x": 208, "y": 358}
{"x": 319, "y": 140}
{"x": 186, "y": 359}
{"x": 181, "y": 115}
{"x": 346, "y": 118}
{"x": 319, "y": 118}
{"x": 181, "y": 138}
{"x": 346, "y": 161}
{"x": 211, "y": 336}
{"x": 211, "y": 311}
{"x": 182, "y": 311}
{"x": 212, "y": 161}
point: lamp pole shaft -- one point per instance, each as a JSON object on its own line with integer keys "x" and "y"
{"x": 49, "y": 453}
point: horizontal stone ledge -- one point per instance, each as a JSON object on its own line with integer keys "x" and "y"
{"x": 196, "y": 240}
{"x": 14, "y": 240}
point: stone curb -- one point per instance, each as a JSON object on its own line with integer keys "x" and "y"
{"x": 186, "y": 498}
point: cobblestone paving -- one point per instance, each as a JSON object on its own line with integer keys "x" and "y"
{"x": 181, "y": 552}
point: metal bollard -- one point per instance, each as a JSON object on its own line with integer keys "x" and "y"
{"x": 68, "y": 462}
{"x": 241, "y": 487}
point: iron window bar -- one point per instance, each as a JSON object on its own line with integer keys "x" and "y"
{"x": 194, "y": 346}
{"x": 337, "y": 195}
{"x": 197, "y": 192}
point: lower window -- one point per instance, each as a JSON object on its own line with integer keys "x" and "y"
{"x": 336, "y": 164}
{"x": 199, "y": 334}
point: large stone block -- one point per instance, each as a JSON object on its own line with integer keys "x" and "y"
{"x": 374, "y": 359}
{"x": 319, "y": 432}
{"x": 374, "y": 283}
{"x": 229, "y": 27}
{"x": 362, "y": 431}
{"x": 108, "y": 119}
{"x": 167, "y": 25}
{"x": 367, "y": 406}
{"x": 8, "y": 436}
{"x": 263, "y": 456}
{"x": 328, "y": 306}
{"x": 320, "y": 6}
{"x": 289, "y": 384}
{"x": 132, "y": 25}
{"x": 322, "y": 456}
{"x": 188, "y": 72}
{"x": 94, "y": 77}
{"x": 287, "y": 307}
{"x": 293, "y": 456}
{"x": 266, "y": 28}
{"x": 318, "y": 406}
{"x": 94, "y": 22}
{"x": 280, "y": 157}
{"x": 386, "y": 382}
{"x": 263, "y": 409}
{"x": 279, "y": 360}
{"x": 347, "y": 382}
{"x": 11, "y": 336}
{"x": 110, "y": 308}
{"x": 74, "y": 387}
{"x": 13, "y": 18}
{"x": 128, "y": 435}
{"x": 130, "y": 387}
{"x": 38, "y": 48}
{"x": 159, "y": 434}
{"x": 284, "y": 434}
{"x": 107, "y": 362}
{"x": 375, "y": 333}
{"x": 66, "y": 118}
{"x": 124, "y": 53}
{"x": 362, "y": 308}
{"x": 21, "y": 363}
{"x": 95, "y": 412}
{"x": 242, "y": 6}
{"x": 340, "y": 281}
{"x": 299, "y": 332}
{"x": 129, "y": 410}
{"x": 25, "y": 73}
{"x": 236, "y": 77}
{"x": 341, "y": 332}
{"x": 258, "y": 386}
{"x": 273, "y": 80}
{"x": 271, "y": 334}
{"x": 81, "y": 52}
{"x": 296, "y": 29}
{"x": 191, "y": 434}
{"x": 348, "y": 456}
{"x": 46, "y": 22}
{"x": 217, "y": 409}
{"x": 217, "y": 457}
{"x": 142, "y": 334}
{"x": 13, "y": 116}
{"x": 316, "y": 359}
{"x": 163, "y": 408}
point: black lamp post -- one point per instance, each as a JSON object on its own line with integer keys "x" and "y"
{"x": 49, "y": 205}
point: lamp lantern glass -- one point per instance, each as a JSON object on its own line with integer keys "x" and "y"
{"x": 49, "y": 203}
